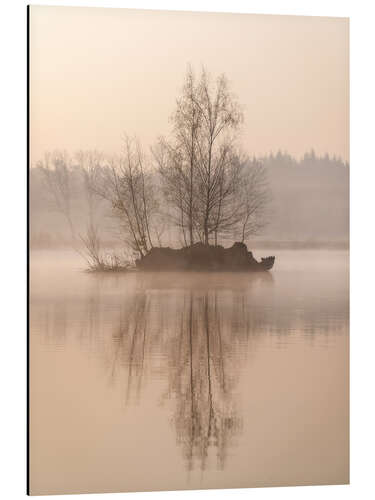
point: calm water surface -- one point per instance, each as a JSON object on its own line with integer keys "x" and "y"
{"x": 188, "y": 380}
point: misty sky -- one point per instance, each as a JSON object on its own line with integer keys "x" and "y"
{"x": 96, "y": 73}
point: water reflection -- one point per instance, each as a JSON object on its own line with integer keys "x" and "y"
{"x": 193, "y": 331}
{"x": 197, "y": 330}
{"x": 201, "y": 382}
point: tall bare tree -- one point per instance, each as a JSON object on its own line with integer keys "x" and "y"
{"x": 221, "y": 118}
{"x": 198, "y": 166}
{"x": 187, "y": 123}
{"x": 177, "y": 158}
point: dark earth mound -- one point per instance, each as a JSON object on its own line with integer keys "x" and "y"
{"x": 200, "y": 257}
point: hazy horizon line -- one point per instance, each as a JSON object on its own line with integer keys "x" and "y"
{"x": 269, "y": 154}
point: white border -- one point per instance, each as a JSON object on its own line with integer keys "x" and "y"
{"x": 13, "y": 242}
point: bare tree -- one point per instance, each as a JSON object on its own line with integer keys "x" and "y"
{"x": 127, "y": 185}
{"x": 226, "y": 208}
{"x": 175, "y": 185}
{"x": 254, "y": 197}
{"x": 177, "y": 158}
{"x": 198, "y": 166}
{"x": 56, "y": 168}
{"x": 221, "y": 118}
{"x": 90, "y": 164}
{"x": 92, "y": 252}
{"x": 187, "y": 123}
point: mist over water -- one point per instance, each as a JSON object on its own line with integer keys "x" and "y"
{"x": 147, "y": 381}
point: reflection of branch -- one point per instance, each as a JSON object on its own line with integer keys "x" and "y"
{"x": 117, "y": 351}
{"x": 190, "y": 454}
{"x": 211, "y": 408}
{"x": 221, "y": 354}
{"x": 139, "y": 316}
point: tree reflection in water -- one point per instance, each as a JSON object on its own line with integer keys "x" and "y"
{"x": 193, "y": 331}
{"x": 205, "y": 415}
{"x": 197, "y": 333}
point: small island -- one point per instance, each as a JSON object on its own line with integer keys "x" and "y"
{"x": 200, "y": 257}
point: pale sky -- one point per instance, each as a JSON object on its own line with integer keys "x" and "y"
{"x": 96, "y": 73}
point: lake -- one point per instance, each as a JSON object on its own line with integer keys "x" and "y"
{"x": 162, "y": 381}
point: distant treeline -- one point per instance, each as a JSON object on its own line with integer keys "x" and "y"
{"x": 310, "y": 199}
{"x": 309, "y": 206}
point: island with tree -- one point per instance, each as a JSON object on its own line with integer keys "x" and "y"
{"x": 198, "y": 183}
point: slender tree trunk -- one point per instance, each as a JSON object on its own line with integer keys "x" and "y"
{"x": 135, "y": 208}
{"x": 145, "y": 208}
{"x": 244, "y": 228}
{"x": 210, "y": 397}
{"x": 205, "y": 233}
{"x": 207, "y": 214}
{"x": 191, "y": 209}
{"x": 219, "y": 211}
{"x": 191, "y": 188}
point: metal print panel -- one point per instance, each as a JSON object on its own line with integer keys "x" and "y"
{"x": 188, "y": 250}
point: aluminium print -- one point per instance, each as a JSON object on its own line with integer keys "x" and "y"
{"x": 188, "y": 250}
